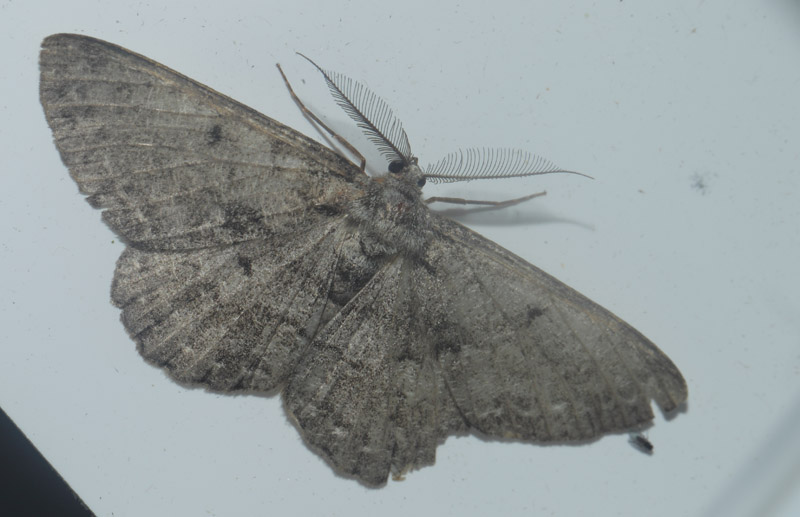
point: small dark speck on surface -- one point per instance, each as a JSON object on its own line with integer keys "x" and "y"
{"x": 700, "y": 183}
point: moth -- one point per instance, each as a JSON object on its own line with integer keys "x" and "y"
{"x": 258, "y": 260}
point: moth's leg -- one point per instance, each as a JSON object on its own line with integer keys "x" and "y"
{"x": 308, "y": 113}
{"x": 493, "y": 204}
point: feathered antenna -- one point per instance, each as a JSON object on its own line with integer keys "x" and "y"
{"x": 364, "y": 107}
{"x": 473, "y": 164}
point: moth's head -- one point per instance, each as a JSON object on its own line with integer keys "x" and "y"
{"x": 401, "y": 188}
{"x": 408, "y": 171}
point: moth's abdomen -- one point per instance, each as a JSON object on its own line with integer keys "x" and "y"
{"x": 359, "y": 258}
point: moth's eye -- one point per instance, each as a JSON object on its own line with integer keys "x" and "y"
{"x": 396, "y": 166}
{"x": 421, "y": 182}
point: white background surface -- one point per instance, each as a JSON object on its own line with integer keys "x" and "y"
{"x": 687, "y": 117}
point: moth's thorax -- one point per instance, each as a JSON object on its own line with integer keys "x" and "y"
{"x": 392, "y": 211}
